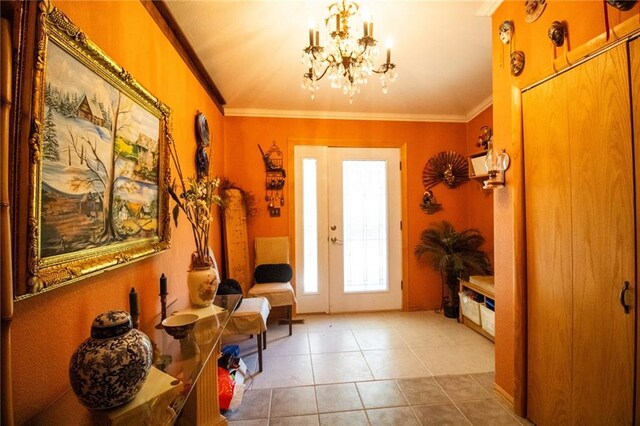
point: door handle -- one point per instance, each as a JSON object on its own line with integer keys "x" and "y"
{"x": 335, "y": 240}
{"x": 623, "y": 297}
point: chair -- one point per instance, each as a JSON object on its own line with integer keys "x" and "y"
{"x": 251, "y": 318}
{"x": 273, "y": 273}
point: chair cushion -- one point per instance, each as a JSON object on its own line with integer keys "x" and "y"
{"x": 278, "y": 294}
{"x": 273, "y": 273}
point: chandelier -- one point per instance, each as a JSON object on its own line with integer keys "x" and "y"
{"x": 347, "y": 60}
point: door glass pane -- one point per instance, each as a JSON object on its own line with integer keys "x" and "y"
{"x": 310, "y": 224}
{"x": 365, "y": 225}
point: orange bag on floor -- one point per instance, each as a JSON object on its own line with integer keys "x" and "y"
{"x": 225, "y": 388}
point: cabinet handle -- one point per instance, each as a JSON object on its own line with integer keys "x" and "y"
{"x": 623, "y": 294}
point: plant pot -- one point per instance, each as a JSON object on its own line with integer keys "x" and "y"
{"x": 203, "y": 284}
{"x": 451, "y": 311}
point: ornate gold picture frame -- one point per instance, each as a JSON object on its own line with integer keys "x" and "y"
{"x": 98, "y": 161}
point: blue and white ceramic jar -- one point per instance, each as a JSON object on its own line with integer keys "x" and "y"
{"x": 109, "y": 368}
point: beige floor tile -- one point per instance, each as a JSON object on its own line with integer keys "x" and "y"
{"x": 440, "y": 414}
{"x": 295, "y": 401}
{"x": 340, "y": 367}
{"x": 311, "y": 420}
{"x": 346, "y": 418}
{"x": 487, "y": 412}
{"x": 461, "y": 334}
{"x": 257, "y": 422}
{"x": 380, "y": 394}
{"x": 339, "y": 397}
{"x": 255, "y": 405}
{"x": 332, "y": 341}
{"x": 444, "y": 360}
{"x": 482, "y": 354}
{"x": 462, "y": 388}
{"x": 422, "y": 391}
{"x": 284, "y": 371}
{"x": 378, "y": 338}
{"x": 403, "y": 416}
{"x": 325, "y": 322}
{"x": 423, "y": 335}
{"x": 298, "y": 344}
{"x": 394, "y": 364}
{"x": 366, "y": 321}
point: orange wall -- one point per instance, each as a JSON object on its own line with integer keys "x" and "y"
{"x": 423, "y": 140}
{"x": 585, "y": 21}
{"x": 480, "y": 201}
{"x": 47, "y": 328}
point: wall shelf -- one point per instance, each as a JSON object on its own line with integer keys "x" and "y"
{"x": 477, "y": 168}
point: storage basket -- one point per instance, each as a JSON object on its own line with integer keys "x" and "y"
{"x": 470, "y": 308}
{"x": 488, "y": 318}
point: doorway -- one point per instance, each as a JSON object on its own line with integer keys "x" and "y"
{"x": 348, "y": 229}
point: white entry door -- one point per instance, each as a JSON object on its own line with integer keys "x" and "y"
{"x": 348, "y": 236}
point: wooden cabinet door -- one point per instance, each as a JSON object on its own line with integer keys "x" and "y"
{"x": 603, "y": 241}
{"x": 580, "y": 231}
{"x": 549, "y": 259}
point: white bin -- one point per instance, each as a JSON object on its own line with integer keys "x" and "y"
{"x": 470, "y": 308}
{"x": 488, "y": 320}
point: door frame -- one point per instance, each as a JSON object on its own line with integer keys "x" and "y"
{"x": 342, "y": 143}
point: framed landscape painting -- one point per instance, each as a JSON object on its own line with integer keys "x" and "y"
{"x": 99, "y": 161}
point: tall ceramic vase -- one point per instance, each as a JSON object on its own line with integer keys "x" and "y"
{"x": 203, "y": 284}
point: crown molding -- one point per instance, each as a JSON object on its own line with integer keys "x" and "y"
{"x": 488, "y": 7}
{"x": 479, "y": 108}
{"x": 335, "y": 115}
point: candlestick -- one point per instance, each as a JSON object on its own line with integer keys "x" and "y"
{"x": 310, "y": 36}
{"x": 337, "y": 23}
{"x": 317, "y": 38}
{"x": 163, "y": 285}
{"x": 133, "y": 307}
{"x": 365, "y": 28}
{"x": 388, "y": 55}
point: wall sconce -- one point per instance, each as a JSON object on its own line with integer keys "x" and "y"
{"x": 496, "y": 166}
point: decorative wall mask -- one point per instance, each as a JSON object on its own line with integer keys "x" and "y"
{"x": 534, "y": 9}
{"x": 448, "y": 167}
{"x": 202, "y": 138}
{"x": 485, "y": 136}
{"x": 556, "y": 33}
{"x": 429, "y": 204}
{"x": 623, "y": 5}
{"x": 505, "y": 32}
{"x": 517, "y": 62}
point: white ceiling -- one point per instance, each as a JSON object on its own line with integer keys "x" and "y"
{"x": 252, "y": 52}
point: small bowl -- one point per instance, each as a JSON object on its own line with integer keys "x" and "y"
{"x": 180, "y": 325}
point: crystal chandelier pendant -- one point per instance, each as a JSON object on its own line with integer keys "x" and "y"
{"x": 349, "y": 55}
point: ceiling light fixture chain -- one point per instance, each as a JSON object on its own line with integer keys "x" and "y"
{"x": 347, "y": 60}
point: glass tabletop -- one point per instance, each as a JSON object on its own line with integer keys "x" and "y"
{"x": 177, "y": 364}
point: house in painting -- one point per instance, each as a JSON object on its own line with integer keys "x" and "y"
{"x": 90, "y": 111}
{"x": 147, "y": 149}
{"x": 90, "y": 204}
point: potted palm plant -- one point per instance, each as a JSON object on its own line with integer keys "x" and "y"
{"x": 455, "y": 255}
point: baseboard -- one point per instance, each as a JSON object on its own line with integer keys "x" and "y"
{"x": 504, "y": 395}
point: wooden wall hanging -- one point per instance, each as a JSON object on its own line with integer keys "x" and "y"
{"x": 274, "y": 179}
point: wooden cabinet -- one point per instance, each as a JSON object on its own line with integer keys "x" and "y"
{"x": 580, "y": 241}
{"x": 482, "y": 285}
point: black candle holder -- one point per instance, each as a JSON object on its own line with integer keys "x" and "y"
{"x": 163, "y": 310}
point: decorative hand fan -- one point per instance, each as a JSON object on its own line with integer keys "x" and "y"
{"x": 448, "y": 167}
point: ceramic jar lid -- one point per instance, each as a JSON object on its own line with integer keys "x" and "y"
{"x": 111, "y": 324}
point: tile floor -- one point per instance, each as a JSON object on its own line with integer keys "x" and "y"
{"x": 390, "y": 368}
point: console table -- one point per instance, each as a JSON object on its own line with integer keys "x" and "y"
{"x": 182, "y": 387}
